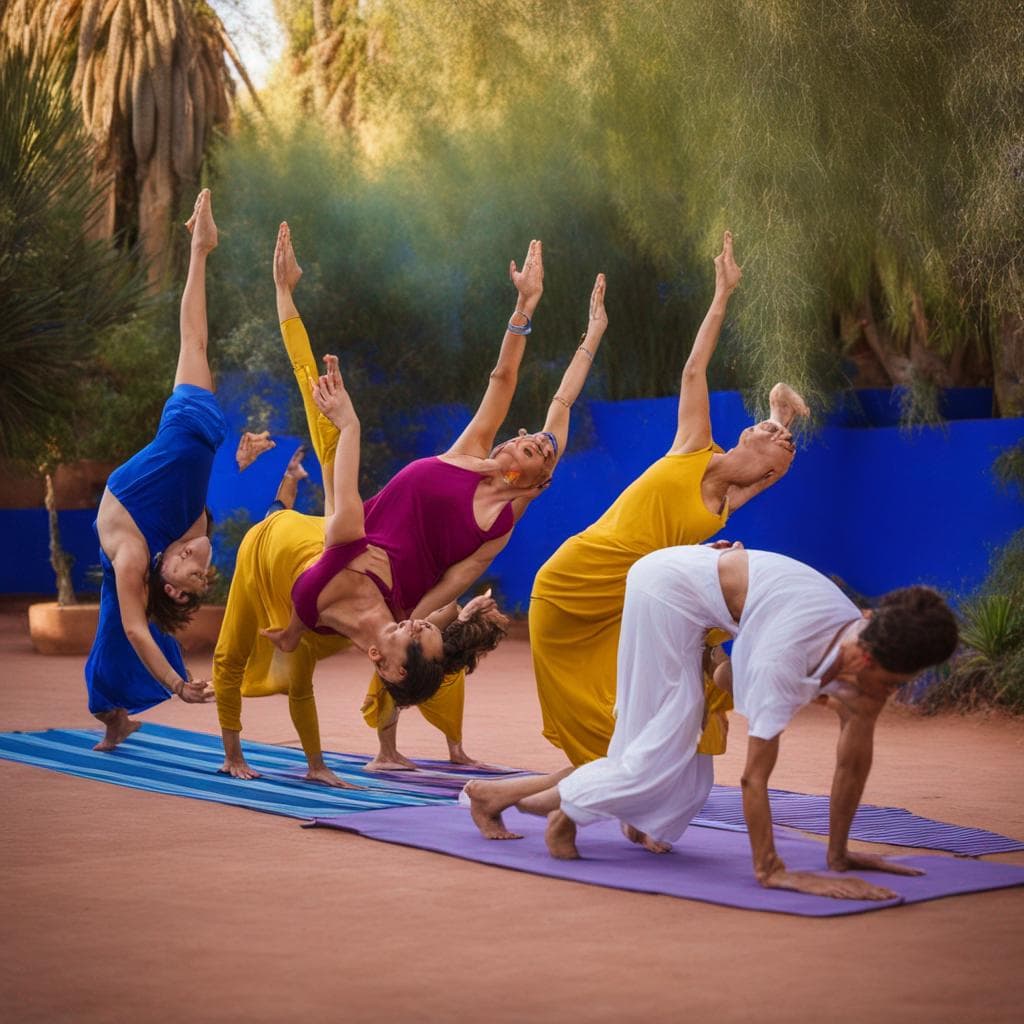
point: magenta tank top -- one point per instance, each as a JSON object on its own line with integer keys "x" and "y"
{"x": 423, "y": 518}
{"x": 307, "y": 588}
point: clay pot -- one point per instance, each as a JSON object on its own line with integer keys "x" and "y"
{"x": 202, "y": 632}
{"x": 62, "y": 630}
{"x": 71, "y": 629}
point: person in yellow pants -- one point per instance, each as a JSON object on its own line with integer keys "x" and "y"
{"x": 684, "y": 498}
{"x": 510, "y": 476}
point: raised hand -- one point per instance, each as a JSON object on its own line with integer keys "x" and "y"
{"x": 529, "y": 281}
{"x": 286, "y": 267}
{"x": 331, "y": 397}
{"x": 251, "y": 446}
{"x": 200, "y": 225}
{"x": 598, "y": 320}
{"x": 727, "y": 273}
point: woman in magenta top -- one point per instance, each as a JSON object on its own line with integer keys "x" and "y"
{"x": 443, "y": 520}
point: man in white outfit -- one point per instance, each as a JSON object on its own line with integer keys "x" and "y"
{"x": 798, "y": 637}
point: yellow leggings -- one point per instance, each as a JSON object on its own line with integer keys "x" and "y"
{"x": 443, "y": 710}
{"x": 247, "y": 664}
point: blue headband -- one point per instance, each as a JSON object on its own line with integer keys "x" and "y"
{"x": 551, "y": 437}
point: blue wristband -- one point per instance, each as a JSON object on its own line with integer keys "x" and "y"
{"x": 525, "y": 329}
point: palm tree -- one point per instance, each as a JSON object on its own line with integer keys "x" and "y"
{"x": 152, "y": 82}
{"x": 59, "y": 289}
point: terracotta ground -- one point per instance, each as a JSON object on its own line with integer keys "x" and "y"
{"x": 127, "y": 906}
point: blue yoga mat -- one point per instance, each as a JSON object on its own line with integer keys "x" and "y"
{"x": 707, "y": 864}
{"x": 162, "y": 759}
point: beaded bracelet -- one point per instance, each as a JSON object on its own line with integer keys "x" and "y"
{"x": 559, "y": 398}
{"x": 586, "y": 352}
{"x": 516, "y": 329}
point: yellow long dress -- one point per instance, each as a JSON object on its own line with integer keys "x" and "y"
{"x": 577, "y": 598}
{"x": 271, "y": 557}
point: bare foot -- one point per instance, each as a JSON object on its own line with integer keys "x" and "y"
{"x": 459, "y": 756}
{"x": 201, "y": 225}
{"x": 325, "y": 777}
{"x": 786, "y": 405}
{"x": 251, "y": 446}
{"x": 119, "y": 729}
{"x": 485, "y": 807}
{"x": 238, "y": 770}
{"x": 387, "y": 763}
{"x": 560, "y": 835}
{"x": 634, "y": 835}
{"x": 295, "y": 470}
{"x": 285, "y": 640}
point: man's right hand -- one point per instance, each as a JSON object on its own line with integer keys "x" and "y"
{"x": 824, "y": 885}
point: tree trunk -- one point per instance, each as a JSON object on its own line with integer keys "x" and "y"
{"x": 60, "y": 560}
{"x": 1008, "y": 366}
{"x": 895, "y": 365}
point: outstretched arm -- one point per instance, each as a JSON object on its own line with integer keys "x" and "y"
{"x": 459, "y": 578}
{"x": 129, "y": 575}
{"x": 333, "y": 401}
{"x": 693, "y": 431}
{"x": 478, "y": 438}
{"x": 576, "y": 372}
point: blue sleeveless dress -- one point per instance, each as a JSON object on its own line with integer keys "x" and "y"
{"x": 163, "y": 487}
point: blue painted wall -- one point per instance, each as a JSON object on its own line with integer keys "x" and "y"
{"x": 877, "y": 506}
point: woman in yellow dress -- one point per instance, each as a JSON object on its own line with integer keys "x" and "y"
{"x": 684, "y": 498}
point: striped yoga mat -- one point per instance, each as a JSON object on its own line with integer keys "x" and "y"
{"x": 178, "y": 762}
{"x": 161, "y": 759}
{"x": 891, "y": 825}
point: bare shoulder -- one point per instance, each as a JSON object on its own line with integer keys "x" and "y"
{"x": 852, "y": 703}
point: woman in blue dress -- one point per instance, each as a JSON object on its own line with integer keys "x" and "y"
{"x": 153, "y": 530}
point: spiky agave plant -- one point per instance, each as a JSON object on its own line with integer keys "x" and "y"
{"x": 152, "y": 81}
{"x": 58, "y": 290}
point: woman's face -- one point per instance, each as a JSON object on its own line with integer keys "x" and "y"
{"x": 770, "y": 444}
{"x": 526, "y": 460}
{"x": 186, "y": 565}
{"x": 395, "y": 640}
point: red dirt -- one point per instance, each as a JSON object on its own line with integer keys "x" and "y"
{"x": 120, "y": 905}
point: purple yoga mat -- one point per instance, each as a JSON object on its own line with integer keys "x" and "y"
{"x": 707, "y": 864}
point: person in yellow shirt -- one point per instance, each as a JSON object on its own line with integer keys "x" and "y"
{"x": 684, "y": 498}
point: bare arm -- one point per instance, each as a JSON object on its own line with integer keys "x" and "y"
{"x": 347, "y": 522}
{"x": 478, "y": 438}
{"x": 854, "y": 754}
{"x": 129, "y": 574}
{"x": 459, "y": 578}
{"x": 693, "y": 431}
{"x": 579, "y": 367}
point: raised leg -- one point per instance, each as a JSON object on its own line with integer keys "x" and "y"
{"x": 786, "y": 405}
{"x": 193, "y": 367}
